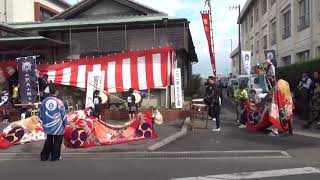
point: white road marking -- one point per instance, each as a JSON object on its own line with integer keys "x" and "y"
{"x": 171, "y": 138}
{"x": 258, "y": 174}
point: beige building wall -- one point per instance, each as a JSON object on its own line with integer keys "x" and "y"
{"x": 288, "y": 50}
{"x": 23, "y": 10}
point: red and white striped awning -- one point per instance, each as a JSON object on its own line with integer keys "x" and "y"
{"x": 135, "y": 69}
{"x": 7, "y": 69}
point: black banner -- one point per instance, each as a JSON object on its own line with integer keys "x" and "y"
{"x": 28, "y": 79}
{"x": 271, "y": 54}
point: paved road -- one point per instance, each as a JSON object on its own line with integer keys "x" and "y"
{"x": 232, "y": 153}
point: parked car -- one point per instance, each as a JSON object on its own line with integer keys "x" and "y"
{"x": 243, "y": 79}
{"x": 255, "y": 83}
{"x": 224, "y": 81}
{"x": 232, "y": 85}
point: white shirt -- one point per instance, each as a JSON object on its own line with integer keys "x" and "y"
{"x": 306, "y": 84}
{"x": 271, "y": 71}
{"x": 47, "y": 90}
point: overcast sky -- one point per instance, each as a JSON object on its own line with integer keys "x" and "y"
{"x": 225, "y": 28}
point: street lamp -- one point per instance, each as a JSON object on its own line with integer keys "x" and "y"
{"x": 238, "y": 7}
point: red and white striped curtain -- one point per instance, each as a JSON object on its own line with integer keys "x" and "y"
{"x": 134, "y": 69}
{"x": 7, "y": 69}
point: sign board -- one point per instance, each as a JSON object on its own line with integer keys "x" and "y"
{"x": 95, "y": 82}
{"x": 246, "y": 58}
{"x": 28, "y": 81}
{"x": 271, "y": 54}
{"x": 178, "y": 88}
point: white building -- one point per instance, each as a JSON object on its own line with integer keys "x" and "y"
{"x": 290, "y": 27}
{"x": 16, "y": 11}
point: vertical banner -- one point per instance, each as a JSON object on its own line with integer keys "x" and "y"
{"x": 177, "y": 88}
{"x": 28, "y": 79}
{"x": 271, "y": 54}
{"x": 95, "y": 82}
{"x": 246, "y": 58}
{"x": 207, "y": 28}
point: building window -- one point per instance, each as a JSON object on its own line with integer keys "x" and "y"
{"x": 256, "y": 13}
{"x": 304, "y": 11}
{"x": 257, "y": 46}
{"x": 246, "y": 26}
{"x": 272, "y": 2}
{"x": 286, "y": 60}
{"x": 273, "y": 33}
{"x": 303, "y": 56}
{"x": 265, "y": 42}
{"x": 251, "y": 49}
{"x": 251, "y": 20}
{"x": 264, "y": 7}
{"x": 286, "y": 25}
{"x": 45, "y": 14}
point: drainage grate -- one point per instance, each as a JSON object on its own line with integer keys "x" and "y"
{"x": 214, "y": 154}
{"x": 158, "y": 155}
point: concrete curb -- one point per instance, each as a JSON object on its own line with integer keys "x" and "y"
{"x": 171, "y": 138}
{"x": 307, "y": 134}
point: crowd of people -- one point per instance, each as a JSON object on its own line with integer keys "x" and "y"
{"x": 308, "y": 96}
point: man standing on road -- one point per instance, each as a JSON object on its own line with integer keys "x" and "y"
{"x": 213, "y": 101}
{"x": 305, "y": 94}
{"x": 54, "y": 119}
{"x": 315, "y": 108}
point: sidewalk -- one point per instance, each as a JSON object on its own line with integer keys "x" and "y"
{"x": 163, "y": 131}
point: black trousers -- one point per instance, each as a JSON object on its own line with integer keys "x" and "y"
{"x": 214, "y": 112}
{"x": 52, "y": 147}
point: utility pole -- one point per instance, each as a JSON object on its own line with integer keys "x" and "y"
{"x": 238, "y": 7}
{"x": 208, "y": 3}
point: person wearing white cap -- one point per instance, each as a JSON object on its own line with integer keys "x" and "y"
{"x": 271, "y": 72}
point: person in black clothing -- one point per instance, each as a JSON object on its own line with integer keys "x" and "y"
{"x": 213, "y": 101}
{"x": 44, "y": 87}
{"x": 132, "y": 106}
{"x": 97, "y": 101}
{"x": 305, "y": 94}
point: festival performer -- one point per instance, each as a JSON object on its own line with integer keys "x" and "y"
{"x": 213, "y": 101}
{"x": 271, "y": 73}
{"x": 54, "y": 119}
{"x": 242, "y": 100}
{"x": 239, "y": 94}
{"x": 132, "y": 106}
{"x": 254, "y": 97}
{"x": 97, "y": 101}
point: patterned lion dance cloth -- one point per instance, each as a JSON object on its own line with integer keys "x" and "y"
{"x": 82, "y": 131}
{"x": 23, "y": 131}
{"x": 276, "y": 110}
